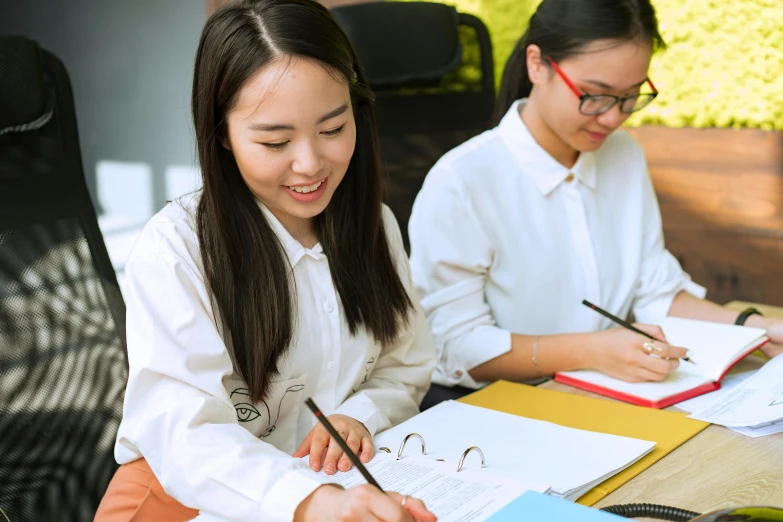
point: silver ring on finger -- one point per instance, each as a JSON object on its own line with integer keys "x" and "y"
{"x": 404, "y": 500}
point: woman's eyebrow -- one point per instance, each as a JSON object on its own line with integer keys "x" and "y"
{"x": 604, "y": 85}
{"x": 260, "y": 126}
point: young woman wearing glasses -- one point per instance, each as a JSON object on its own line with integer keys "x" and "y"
{"x": 513, "y": 229}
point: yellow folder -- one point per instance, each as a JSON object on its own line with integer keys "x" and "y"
{"x": 667, "y": 429}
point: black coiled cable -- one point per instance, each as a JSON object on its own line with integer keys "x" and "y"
{"x": 651, "y": 511}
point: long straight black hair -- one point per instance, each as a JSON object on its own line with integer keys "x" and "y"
{"x": 562, "y": 28}
{"x": 249, "y": 278}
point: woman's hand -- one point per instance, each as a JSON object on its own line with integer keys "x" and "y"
{"x": 774, "y": 330}
{"x": 330, "y": 503}
{"x": 622, "y": 353}
{"x": 318, "y": 441}
{"x": 775, "y": 345}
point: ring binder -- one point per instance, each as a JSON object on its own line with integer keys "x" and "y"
{"x": 465, "y": 454}
{"x": 405, "y": 440}
{"x": 424, "y": 451}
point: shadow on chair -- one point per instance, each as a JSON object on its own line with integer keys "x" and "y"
{"x": 63, "y": 364}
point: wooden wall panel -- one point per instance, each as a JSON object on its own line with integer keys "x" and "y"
{"x": 721, "y": 198}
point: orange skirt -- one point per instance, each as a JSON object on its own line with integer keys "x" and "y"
{"x": 135, "y": 495}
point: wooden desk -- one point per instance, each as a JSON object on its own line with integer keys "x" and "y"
{"x": 717, "y": 468}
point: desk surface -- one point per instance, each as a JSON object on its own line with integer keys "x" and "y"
{"x": 717, "y": 468}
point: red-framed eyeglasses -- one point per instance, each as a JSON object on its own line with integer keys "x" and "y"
{"x": 594, "y": 104}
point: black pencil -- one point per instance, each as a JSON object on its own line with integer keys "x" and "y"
{"x": 344, "y": 445}
{"x": 624, "y": 324}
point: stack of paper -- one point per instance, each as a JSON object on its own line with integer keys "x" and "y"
{"x": 667, "y": 429}
{"x": 568, "y": 460}
{"x": 754, "y": 407}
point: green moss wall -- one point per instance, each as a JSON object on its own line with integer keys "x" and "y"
{"x": 723, "y": 66}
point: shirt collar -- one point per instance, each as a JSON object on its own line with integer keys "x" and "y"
{"x": 535, "y": 162}
{"x": 293, "y": 248}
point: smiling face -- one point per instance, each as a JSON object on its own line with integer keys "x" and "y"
{"x": 603, "y": 67}
{"x": 292, "y": 134}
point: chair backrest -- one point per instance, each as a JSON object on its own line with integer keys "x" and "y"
{"x": 432, "y": 73}
{"x": 63, "y": 364}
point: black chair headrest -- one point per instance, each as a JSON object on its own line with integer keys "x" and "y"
{"x": 403, "y": 43}
{"x": 23, "y": 91}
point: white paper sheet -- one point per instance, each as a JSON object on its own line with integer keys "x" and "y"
{"x": 758, "y": 400}
{"x": 745, "y": 369}
{"x": 760, "y": 431}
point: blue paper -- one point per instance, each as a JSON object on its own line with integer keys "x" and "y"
{"x": 536, "y": 506}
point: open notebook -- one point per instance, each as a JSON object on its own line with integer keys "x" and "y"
{"x": 542, "y": 456}
{"x": 715, "y": 348}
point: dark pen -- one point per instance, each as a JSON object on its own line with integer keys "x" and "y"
{"x": 344, "y": 445}
{"x": 625, "y": 324}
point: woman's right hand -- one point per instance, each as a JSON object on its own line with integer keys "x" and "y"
{"x": 330, "y": 503}
{"x": 621, "y": 353}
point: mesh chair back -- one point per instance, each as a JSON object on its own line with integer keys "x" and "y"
{"x": 432, "y": 73}
{"x": 63, "y": 363}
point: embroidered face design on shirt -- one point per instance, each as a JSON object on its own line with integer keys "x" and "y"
{"x": 368, "y": 366}
{"x": 247, "y": 412}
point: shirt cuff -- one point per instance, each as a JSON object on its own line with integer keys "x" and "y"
{"x": 361, "y": 408}
{"x": 288, "y": 492}
{"x": 483, "y": 344}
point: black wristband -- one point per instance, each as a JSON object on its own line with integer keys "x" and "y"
{"x": 741, "y": 318}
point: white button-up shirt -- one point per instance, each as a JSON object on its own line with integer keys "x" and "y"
{"x": 189, "y": 413}
{"x": 504, "y": 239}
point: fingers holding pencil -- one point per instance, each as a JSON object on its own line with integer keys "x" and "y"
{"x": 654, "y": 333}
{"x": 658, "y": 346}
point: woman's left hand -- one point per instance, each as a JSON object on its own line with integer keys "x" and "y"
{"x": 774, "y": 328}
{"x": 775, "y": 333}
{"x": 327, "y": 453}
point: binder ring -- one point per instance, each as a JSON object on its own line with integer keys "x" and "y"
{"x": 408, "y": 436}
{"x": 465, "y": 454}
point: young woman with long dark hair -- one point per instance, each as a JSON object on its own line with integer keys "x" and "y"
{"x": 283, "y": 278}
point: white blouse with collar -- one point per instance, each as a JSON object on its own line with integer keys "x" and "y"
{"x": 188, "y": 412}
{"x": 504, "y": 239}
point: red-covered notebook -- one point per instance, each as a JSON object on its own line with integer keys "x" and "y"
{"x": 715, "y": 348}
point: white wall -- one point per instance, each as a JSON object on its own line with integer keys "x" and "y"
{"x": 130, "y": 64}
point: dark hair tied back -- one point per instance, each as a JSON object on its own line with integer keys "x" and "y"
{"x": 563, "y": 28}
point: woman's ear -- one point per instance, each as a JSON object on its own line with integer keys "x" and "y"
{"x": 535, "y": 67}
{"x": 225, "y": 142}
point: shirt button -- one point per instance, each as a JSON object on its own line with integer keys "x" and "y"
{"x": 328, "y": 306}
{"x": 570, "y": 177}
{"x": 331, "y": 365}
{"x": 458, "y": 373}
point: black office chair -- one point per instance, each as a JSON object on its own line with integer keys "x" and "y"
{"x": 432, "y": 73}
{"x": 63, "y": 364}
